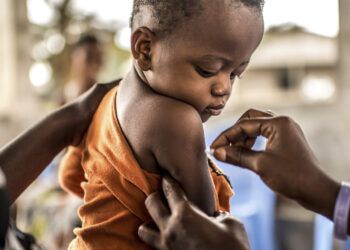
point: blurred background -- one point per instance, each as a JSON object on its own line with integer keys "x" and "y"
{"x": 52, "y": 50}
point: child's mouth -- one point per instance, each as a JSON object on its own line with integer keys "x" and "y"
{"x": 215, "y": 110}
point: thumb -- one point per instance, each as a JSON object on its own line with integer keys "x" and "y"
{"x": 239, "y": 156}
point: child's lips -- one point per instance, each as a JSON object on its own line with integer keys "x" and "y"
{"x": 215, "y": 110}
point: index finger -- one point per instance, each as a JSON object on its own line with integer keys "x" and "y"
{"x": 251, "y": 128}
{"x": 255, "y": 113}
{"x": 223, "y": 140}
{"x": 173, "y": 192}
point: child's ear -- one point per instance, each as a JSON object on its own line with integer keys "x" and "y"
{"x": 141, "y": 45}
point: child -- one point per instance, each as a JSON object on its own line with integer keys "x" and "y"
{"x": 186, "y": 57}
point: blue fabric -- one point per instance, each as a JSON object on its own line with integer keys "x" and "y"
{"x": 323, "y": 234}
{"x": 253, "y": 202}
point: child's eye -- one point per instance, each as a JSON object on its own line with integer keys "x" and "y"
{"x": 205, "y": 73}
{"x": 233, "y": 76}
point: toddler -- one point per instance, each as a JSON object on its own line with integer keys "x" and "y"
{"x": 186, "y": 56}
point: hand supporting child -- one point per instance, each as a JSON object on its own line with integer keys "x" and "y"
{"x": 184, "y": 226}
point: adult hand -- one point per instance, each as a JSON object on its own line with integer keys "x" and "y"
{"x": 185, "y": 227}
{"x": 287, "y": 165}
{"x": 81, "y": 110}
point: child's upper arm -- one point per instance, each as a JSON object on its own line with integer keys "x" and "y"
{"x": 178, "y": 144}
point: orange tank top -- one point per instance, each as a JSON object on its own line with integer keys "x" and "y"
{"x": 103, "y": 171}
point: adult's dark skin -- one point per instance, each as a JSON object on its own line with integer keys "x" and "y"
{"x": 184, "y": 226}
{"x": 23, "y": 159}
{"x": 287, "y": 165}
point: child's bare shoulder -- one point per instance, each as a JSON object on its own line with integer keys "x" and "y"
{"x": 161, "y": 129}
{"x": 173, "y": 117}
{"x": 176, "y": 131}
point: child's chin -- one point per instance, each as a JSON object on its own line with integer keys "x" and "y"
{"x": 205, "y": 117}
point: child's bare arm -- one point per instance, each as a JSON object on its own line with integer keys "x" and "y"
{"x": 179, "y": 147}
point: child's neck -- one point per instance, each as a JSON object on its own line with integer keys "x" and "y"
{"x": 133, "y": 85}
{"x": 136, "y": 76}
{"x": 137, "y": 82}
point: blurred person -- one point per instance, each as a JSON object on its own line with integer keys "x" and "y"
{"x": 24, "y": 158}
{"x": 86, "y": 62}
{"x": 153, "y": 123}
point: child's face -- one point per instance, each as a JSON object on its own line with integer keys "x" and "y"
{"x": 199, "y": 62}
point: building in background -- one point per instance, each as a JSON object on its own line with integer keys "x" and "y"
{"x": 291, "y": 68}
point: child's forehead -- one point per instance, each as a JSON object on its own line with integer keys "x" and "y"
{"x": 219, "y": 21}
{"x": 216, "y": 38}
{"x": 169, "y": 15}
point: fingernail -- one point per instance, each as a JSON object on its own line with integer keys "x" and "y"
{"x": 220, "y": 154}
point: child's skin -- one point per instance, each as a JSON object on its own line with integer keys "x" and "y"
{"x": 178, "y": 81}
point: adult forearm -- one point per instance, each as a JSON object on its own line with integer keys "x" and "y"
{"x": 24, "y": 158}
{"x": 328, "y": 194}
{"x": 287, "y": 165}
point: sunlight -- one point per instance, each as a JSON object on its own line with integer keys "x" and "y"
{"x": 317, "y": 16}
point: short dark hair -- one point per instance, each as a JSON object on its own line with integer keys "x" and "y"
{"x": 86, "y": 40}
{"x": 168, "y": 13}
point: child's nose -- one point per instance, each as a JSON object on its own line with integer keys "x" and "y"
{"x": 221, "y": 88}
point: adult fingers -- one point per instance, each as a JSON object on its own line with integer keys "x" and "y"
{"x": 254, "y": 113}
{"x": 157, "y": 209}
{"x": 246, "y": 142}
{"x": 242, "y": 130}
{"x": 173, "y": 192}
{"x": 238, "y": 156}
{"x": 150, "y": 235}
{"x": 249, "y": 114}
